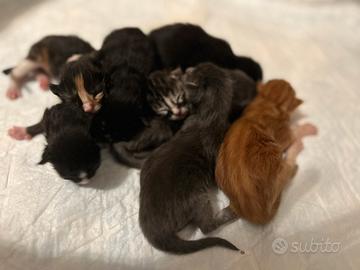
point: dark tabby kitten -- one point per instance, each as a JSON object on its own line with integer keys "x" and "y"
{"x": 45, "y": 60}
{"x": 167, "y": 97}
{"x": 187, "y": 45}
{"x": 176, "y": 180}
{"x": 70, "y": 149}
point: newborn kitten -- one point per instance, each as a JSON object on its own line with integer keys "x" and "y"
{"x": 44, "y": 62}
{"x": 126, "y": 57}
{"x": 175, "y": 181}
{"x": 251, "y": 168}
{"x": 113, "y": 79}
{"x": 82, "y": 82}
{"x": 70, "y": 149}
{"x": 167, "y": 97}
{"x": 197, "y": 46}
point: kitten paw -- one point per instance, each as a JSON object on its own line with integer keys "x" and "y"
{"x": 19, "y": 133}
{"x": 87, "y": 107}
{"x": 13, "y": 92}
{"x": 294, "y": 150}
{"x": 43, "y": 81}
{"x": 305, "y": 130}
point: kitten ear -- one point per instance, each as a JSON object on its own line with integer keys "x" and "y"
{"x": 55, "y": 89}
{"x": 297, "y": 102}
{"x": 192, "y": 85}
{"x": 45, "y": 156}
{"x": 176, "y": 73}
{"x": 95, "y": 58}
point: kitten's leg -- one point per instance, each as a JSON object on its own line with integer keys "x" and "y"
{"x": 289, "y": 168}
{"x": 207, "y": 220}
{"x": 287, "y": 172}
{"x": 123, "y": 156}
{"x": 43, "y": 80}
{"x": 304, "y": 130}
{"x": 25, "y": 133}
{"x": 18, "y": 77}
{"x": 151, "y": 137}
{"x": 288, "y": 136}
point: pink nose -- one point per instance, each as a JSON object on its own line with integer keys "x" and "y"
{"x": 177, "y": 111}
{"x": 88, "y": 107}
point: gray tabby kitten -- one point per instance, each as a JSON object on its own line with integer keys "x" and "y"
{"x": 167, "y": 98}
{"x": 176, "y": 180}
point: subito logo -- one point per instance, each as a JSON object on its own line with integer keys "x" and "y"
{"x": 280, "y": 246}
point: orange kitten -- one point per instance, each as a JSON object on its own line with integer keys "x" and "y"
{"x": 252, "y": 169}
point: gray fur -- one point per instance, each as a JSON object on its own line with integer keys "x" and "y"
{"x": 176, "y": 180}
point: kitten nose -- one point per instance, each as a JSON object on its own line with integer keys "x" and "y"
{"x": 87, "y": 107}
{"x": 176, "y": 111}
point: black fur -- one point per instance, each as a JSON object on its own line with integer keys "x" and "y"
{"x": 93, "y": 76}
{"x": 7, "y": 71}
{"x": 69, "y": 148}
{"x": 176, "y": 180}
{"x": 59, "y": 49}
{"x": 187, "y": 45}
{"x": 126, "y": 57}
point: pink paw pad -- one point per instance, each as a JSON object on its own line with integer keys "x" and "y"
{"x": 19, "y": 133}
{"x": 43, "y": 81}
{"x": 13, "y": 93}
{"x": 308, "y": 129}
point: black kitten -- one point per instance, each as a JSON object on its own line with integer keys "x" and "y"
{"x": 167, "y": 97}
{"x": 70, "y": 149}
{"x": 176, "y": 180}
{"x": 45, "y": 61}
{"x": 187, "y": 45}
{"x": 126, "y": 57}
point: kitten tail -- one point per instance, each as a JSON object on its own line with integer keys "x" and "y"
{"x": 173, "y": 244}
{"x": 123, "y": 157}
{"x": 7, "y": 71}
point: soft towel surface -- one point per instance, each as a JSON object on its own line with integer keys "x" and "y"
{"x": 48, "y": 223}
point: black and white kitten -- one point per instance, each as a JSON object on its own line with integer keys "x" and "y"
{"x": 186, "y": 45}
{"x": 70, "y": 148}
{"x": 176, "y": 180}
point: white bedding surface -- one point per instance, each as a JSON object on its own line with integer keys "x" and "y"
{"x": 47, "y": 223}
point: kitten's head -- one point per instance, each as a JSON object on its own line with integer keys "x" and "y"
{"x": 166, "y": 94}
{"x": 82, "y": 82}
{"x": 75, "y": 157}
{"x": 280, "y": 93}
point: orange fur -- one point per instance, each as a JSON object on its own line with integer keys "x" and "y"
{"x": 250, "y": 168}
{"x": 86, "y": 98}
